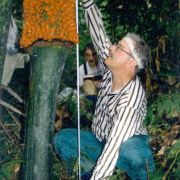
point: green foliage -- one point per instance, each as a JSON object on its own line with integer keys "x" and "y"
{"x": 118, "y": 174}
{"x": 174, "y": 151}
{"x": 149, "y": 18}
{"x": 71, "y": 104}
{"x": 7, "y": 168}
{"x": 57, "y": 168}
{"x": 86, "y": 110}
{"x": 173, "y": 158}
{"x": 69, "y": 74}
{"x": 157, "y": 175}
{"x": 10, "y": 166}
{"x": 164, "y": 107}
{"x": 162, "y": 115}
{"x": 172, "y": 162}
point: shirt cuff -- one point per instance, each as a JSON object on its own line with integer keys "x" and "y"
{"x": 87, "y": 3}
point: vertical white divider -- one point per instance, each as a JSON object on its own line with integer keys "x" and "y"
{"x": 78, "y": 97}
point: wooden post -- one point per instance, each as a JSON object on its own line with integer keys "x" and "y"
{"x": 47, "y": 68}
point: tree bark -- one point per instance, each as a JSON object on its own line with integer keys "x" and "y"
{"x": 47, "y": 68}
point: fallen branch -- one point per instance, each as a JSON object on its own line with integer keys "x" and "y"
{"x": 6, "y": 132}
{"x": 14, "y": 118}
{"x": 3, "y": 103}
{"x": 13, "y": 93}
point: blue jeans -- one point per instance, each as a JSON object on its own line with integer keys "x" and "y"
{"x": 134, "y": 158}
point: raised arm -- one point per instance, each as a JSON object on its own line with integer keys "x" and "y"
{"x": 95, "y": 25}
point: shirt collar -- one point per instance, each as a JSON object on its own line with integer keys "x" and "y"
{"x": 123, "y": 89}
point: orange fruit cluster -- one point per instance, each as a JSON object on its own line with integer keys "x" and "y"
{"x": 48, "y": 20}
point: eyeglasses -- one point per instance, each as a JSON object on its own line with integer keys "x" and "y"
{"x": 119, "y": 47}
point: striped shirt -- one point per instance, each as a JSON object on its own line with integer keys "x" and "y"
{"x": 119, "y": 115}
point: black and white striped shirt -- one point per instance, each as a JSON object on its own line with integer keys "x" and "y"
{"x": 119, "y": 115}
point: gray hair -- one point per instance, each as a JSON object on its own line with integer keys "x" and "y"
{"x": 139, "y": 49}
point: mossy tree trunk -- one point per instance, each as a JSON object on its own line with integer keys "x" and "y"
{"x": 47, "y": 67}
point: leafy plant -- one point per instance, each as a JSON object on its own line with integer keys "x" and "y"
{"x": 118, "y": 174}
{"x": 9, "y": 168}
{"x": 163, "y": 109}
